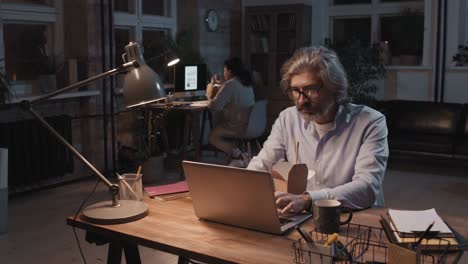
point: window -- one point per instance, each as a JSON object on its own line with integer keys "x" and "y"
{"x": 123, "y": 6}
{"x": 149, "y": 24}
{"x": 345, "y": 29}
{"x": 404, "y": 36}
{"x": 41, "y": 2}
{"x": 397, "y": 26}
{"x": 157, "y": 8}
{"x": 31, "y": 46}
{"x": 122, "y": 37}
{"x": 153, "y": 47}
{"x": 390, "y": 1}
{"x": 350, "y": 2}
{"x": 28, "y": 52}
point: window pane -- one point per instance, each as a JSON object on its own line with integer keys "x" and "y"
{"x": 122, "y": 6}
{"x": 151, "y": 7}
{"x": 350, "y": 2}
{"x": 40, "y": 2}
{"x": 122, "y": 37}
{"x": 404, "y": 35}
{"x": 345, "y": 29}
{"x": 28, "y": 51}
{"x": 401, "y": 1}
{"x": 155, "y": 43}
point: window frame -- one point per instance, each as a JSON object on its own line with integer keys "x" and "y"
{"x": 377, "y": 9}
{"x": 140, "y": 21}
{"x": 34, "y": 14}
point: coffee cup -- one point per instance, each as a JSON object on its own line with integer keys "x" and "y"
{"x": 327, "y": 216}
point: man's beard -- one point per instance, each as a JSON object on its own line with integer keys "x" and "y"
{"x": 315, "y": 113}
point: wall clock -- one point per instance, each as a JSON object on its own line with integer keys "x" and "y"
{"x": 212, "y": 20}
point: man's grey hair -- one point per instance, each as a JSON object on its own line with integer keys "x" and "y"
{"x": 322, "y": 61}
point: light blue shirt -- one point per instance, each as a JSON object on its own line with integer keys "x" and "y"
{"x": 349, "y": 160}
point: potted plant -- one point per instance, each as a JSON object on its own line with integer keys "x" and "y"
{"x": 461, "y": 57}
{"x": 364, "y": 65}
{"x": 149, "y": 139}
{"x": 5, "y": 89}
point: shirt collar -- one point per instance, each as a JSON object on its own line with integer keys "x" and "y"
{"x": 343, "y": 116}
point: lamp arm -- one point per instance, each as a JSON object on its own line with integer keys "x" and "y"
{"x": 113, "y": 188}
{"x": 27, "y": 105}
{"x": 120, "y": 69}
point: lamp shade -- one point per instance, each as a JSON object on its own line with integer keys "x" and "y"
{"x": 141, "y": 84}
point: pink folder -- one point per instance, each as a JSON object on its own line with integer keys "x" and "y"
{"x": 167, "y": 189}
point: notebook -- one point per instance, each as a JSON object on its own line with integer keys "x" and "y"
{"x": 436, "y": 243}
{"x": 237, "y": 197}
{"x": 410, "y": 222}
{"x": 167, "y": 188}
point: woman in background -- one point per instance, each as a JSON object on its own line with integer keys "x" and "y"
{"x": 231, "y": 101}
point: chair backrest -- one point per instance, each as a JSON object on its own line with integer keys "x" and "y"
{"x": 257, "y": 120}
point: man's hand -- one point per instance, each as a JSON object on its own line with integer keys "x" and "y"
{"x": 290, "y": 203}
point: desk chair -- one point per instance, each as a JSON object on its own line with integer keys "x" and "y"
{"x": 256, "y": 126}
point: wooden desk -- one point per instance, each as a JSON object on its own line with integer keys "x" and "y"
{"x": 173, "y": 227}
{"x": 192, "y": 114}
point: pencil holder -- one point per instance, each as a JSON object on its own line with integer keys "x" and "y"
{"x": 131, "y": 187}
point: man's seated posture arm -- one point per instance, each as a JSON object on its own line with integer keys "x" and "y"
{"x": 345, "y": 144}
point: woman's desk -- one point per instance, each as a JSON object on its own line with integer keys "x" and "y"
{"x": 192, "y": 113}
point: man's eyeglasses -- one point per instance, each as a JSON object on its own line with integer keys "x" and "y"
{"x": 309, "y": 92}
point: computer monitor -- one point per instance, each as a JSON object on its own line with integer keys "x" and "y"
{"x": 190, "y": 78}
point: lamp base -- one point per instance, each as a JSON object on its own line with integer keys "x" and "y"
{"x": 103, "y": 213}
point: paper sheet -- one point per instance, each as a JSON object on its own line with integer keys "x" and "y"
{"x": 417, "y": 221}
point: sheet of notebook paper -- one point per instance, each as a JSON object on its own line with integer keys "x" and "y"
{"x": 408, "y": 221}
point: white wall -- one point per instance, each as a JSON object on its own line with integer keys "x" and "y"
{"x": 456, "y": 83}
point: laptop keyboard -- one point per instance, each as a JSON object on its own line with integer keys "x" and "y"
{"x": 284, "y": 220}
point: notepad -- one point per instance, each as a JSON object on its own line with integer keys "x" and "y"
{"x": 167, "y": 188}
{"x": 447, "y": 243}
{"x": 417, "y": 221}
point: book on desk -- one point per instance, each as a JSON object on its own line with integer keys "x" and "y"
{"x": 168, "y": 192}
{"x": 410, "y": 229}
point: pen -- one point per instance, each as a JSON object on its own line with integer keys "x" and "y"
{"x": 304, "y": 234}
{"x": 425, "y": 233}
{"x": 138, "y": 171}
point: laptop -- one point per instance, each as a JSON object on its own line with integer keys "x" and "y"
{"x": 237, "y": 197}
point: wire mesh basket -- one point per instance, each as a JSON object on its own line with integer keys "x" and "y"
{"x": 366, "y": 244}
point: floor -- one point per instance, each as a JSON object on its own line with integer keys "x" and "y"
{"x": 37, "y": 232}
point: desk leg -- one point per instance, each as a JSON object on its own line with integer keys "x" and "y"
{"x": 196, "y": 134}
{"x": 132, "y": 255}
{"x": 192, "y": 126}
{"x": 182, "y": 260}
{"x": 186, "y": 136}
{"x": 114, "y": 255}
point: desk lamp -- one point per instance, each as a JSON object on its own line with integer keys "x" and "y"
{"x": 171, "y": 58}
{"x": 141, "y": 86}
